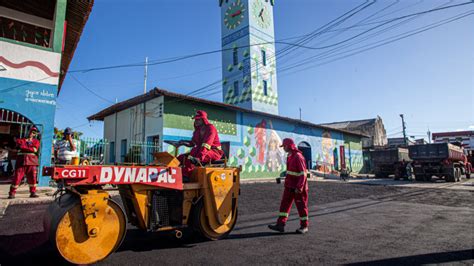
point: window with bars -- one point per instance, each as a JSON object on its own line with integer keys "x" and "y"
{"x": 265, "y": 88}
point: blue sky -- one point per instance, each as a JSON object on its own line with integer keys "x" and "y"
{"x": 429, "y": 76}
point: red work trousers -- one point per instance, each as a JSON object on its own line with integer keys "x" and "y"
{"x": 301, "y": 202}
{"x": 207, "y": 157}
{"x": 31, "y": 175}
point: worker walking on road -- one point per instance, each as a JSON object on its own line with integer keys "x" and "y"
{"x": 205, "y": 142}
{"x": 296, "y": 189}
{"x": 27, "y": 163}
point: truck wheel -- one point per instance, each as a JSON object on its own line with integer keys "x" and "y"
{"x": 397, "y": 174}
{"x": 64, "y": 224}
{"x": 451, "y": 176}
{"x": 201, "y": 225}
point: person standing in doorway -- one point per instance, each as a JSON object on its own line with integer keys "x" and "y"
{"x": 27, "y": 163}
{"x": 296, "y": 189}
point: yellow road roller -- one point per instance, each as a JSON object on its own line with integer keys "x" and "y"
{"x": 86, "y": 225}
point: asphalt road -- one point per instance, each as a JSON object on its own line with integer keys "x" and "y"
{"x": 349, "y": 224}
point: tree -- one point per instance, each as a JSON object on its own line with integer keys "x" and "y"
{"x": 59, "y": 133}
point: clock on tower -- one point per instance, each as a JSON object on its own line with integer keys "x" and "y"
{"x": 248, "y": 57}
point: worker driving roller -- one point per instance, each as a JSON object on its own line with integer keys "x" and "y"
{"x": 205, "y": 143}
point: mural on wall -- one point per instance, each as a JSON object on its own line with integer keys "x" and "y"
{"x": 255, "y": 141}
{"x": 327, "y": 148}
{"x": 275, "y": 154}
{"x": 261, "y": 139}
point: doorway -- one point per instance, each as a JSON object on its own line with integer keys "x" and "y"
{"x": 12, "y": 127}
{"x": 305, "y": 148}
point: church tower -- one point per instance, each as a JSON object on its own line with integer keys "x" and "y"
{"x": 248, "y": 57}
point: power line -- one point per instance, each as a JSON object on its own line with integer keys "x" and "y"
{"x": 377, "y": 33}
{"x": 317, "y": 31}
{"x": 338, "y": 32}
{"x": 386, "y": 41}
{"x": 89, "y": 90}
{"x": 335, "y": 22}
{"x": 378, "y": 26}
{"x": 180, "y": 58}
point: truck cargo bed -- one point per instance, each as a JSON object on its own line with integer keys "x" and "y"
{"x": 435, "y": 152}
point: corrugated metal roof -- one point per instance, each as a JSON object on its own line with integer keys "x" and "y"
{"x": 347, "y": 124}
{"x": 77, "y": 14}
{"x": 156, "y": 92}
{"x": 453, "y": 134}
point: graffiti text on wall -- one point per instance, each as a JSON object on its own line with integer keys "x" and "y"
{"x": 43, "y": 97}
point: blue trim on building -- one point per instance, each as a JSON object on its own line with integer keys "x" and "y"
{"x": 37, "y": 102}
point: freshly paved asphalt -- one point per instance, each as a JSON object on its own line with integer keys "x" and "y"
{"x": 350, "y": 224}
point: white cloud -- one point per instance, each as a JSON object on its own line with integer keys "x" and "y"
{"x": 471, "y": 127}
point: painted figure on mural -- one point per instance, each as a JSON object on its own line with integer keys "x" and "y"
{"x": 327, "y": 149}
{"x": 260, "y": 140}
{"x": 274, "y": 153}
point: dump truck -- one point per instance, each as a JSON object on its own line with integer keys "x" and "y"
{"x": 390, "y": 162}
{"x": 443, "y": 160}
{"x": 85, "y": 224}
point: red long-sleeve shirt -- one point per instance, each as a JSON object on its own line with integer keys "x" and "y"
{"x": 205, "y": 138}
{"x": 295, "y": 170}
{"x": 27, "y": 154}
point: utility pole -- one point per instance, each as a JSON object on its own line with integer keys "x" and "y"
{"x": 146, "y": 74}
{"x": 404, "y": 130}
{"x": 300, "y": 113}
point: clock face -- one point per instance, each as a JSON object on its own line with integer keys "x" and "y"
{"x": 261, "y": 14}
{"x": 234, "y": 15}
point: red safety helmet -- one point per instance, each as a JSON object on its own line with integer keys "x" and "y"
{"x": 33, "y": 129}
{"x": 288, "y": 143}
{"x": 200, "y": 114}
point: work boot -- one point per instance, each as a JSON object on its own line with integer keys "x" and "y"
{"x": 33, "y": 195}
{"x": 11, "y": 196}
{"x": 302, "y": 230}
{"x": 277, "y": 227}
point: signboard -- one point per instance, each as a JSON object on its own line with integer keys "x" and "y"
{"x": 166, "y": 177}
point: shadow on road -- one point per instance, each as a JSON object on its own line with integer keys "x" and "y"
{"x": 138, "y": 241}
{"x": 257, "y": 235}
{"x": 28, "y": 249}
{"x": 442, "y": 257}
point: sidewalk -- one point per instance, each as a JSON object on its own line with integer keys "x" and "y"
{"x": 23, "y": 196}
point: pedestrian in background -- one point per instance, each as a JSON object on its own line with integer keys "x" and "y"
{"x": 66, "y": 149}
{"x": 296, "y": 189}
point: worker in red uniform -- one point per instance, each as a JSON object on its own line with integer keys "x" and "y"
{"x": 205, "y": 143}
{"x": 296, "y": 189}
{"x": 27, "y": 163}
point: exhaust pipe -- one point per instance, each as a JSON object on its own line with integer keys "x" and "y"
{"x": 178, "y": 234}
